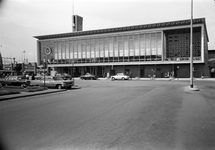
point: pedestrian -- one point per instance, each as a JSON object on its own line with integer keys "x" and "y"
{"x": 33, "y": 77}
{"x": 27, "y": 76}
{"x": 212, "y": 72}
{"x": 130, "y": 75}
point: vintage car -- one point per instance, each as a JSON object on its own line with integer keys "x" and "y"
{"x": 54, "y": 82}
{"x": 120, "y": 76}
{"x": 15, "y": 81}
{"x": 88, "y": 76}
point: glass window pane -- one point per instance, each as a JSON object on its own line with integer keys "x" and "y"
{"x": 92, "y": 48}
{"x": 147, "y": 40}
{"x": 158, "y": 40}
{"x": 79, "y": 49}
{"x": 131, "y": 45}
{"x": 106, "y": 47}
{"x": 88, "y": 48}
{"x": 126, "y": 48}
{"x": 116, "y": 50}
{"x": 142, "y": 45}
{"x": 71, "y": 49}
{"x": 63, "y": 50}
{"x": 111, "y": 47}
{"x": 97, "y": 47}
{"x": 101, "y": 47}
{"x": 136, "y": 45}
{"x": 120, "y": 42}
{"x": 55, "y": 51}
{"x": 153, "y": 44}
{"x": 83, "y": 49}
{"x": 75, "y": 49}
{"x": 59, "y": 50}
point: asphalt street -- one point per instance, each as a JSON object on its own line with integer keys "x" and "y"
{"x": 104, "y": 114}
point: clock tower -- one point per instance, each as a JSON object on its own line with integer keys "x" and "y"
{"x": 77, "y": 23}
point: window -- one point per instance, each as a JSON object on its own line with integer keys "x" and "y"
{"x": 136, "y": 45}
{"x": 101, "y": 47}
{"x": 142, "y": 45}
{"x": 120, "y": 42}
{"x": 116, "y": 52}
{"x": 92, "y": 48}
{"x": 147, "y": 42}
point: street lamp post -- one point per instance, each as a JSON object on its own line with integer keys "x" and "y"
{"x": 24, "y": 55}
{"x": 191, "y": 46}
{"x": 48, "y": 51}
{"x": 178, "y": 72}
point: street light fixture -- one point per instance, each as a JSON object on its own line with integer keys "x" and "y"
{"x": 48, "y": 51}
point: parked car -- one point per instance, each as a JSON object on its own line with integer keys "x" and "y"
{"x": 120, "y": 76}
{"x": 88, "y": 76}
{"x": 54, "y": 82}
{"x": 15, "y": 81}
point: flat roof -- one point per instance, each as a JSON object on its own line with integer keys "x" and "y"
{"x": 126, "y": 28}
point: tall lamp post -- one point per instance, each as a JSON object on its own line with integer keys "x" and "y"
{"x": 191, "y": 46}
{"x": 24, "y": 55}
{"x": 48, "y": 51}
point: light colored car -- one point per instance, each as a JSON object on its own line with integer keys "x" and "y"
{"x": 15, "y": 81}
{"x": 120, "y": 76}
{"x": 54, "y": 82}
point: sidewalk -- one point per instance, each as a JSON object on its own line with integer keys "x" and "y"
{"x": 163, "y": 79}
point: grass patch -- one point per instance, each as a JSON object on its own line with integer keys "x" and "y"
{"x": 7, "y": 90}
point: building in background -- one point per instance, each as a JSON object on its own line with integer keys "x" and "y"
{"x": 140, "y": 51}
{"x": 211, "y": 62}
{"x": 77, "y": 23}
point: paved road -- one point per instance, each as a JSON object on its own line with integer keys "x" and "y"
{"x": 124, "y": 115}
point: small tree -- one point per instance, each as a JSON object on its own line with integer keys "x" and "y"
{"x": 18, "y": 68}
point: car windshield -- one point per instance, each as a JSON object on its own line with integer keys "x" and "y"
{"x": 58, "y": 78}
{"x": 120, "y": 74}
{"x": 61, "y": 78}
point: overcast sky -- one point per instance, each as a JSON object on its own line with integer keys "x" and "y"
{"x": 20, "y": 20}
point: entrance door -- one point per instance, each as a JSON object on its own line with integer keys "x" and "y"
{"x": 100, "y": 71}
{"x": 112, "y": 72}
{"x": 176, "y": 71}
{"x": 142, "y": 72}
{"x": 127, "y": 72}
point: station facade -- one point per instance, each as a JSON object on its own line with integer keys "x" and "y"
{"x": 141, "y": 50}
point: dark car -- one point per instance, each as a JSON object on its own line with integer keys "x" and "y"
{"x": 88, "y": 76}
{"x": 15, "y": 81}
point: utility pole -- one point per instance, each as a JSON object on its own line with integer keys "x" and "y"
{"x": 191, "y": 46}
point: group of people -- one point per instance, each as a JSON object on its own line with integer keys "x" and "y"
{"x": 166, "y": 75}
{"x": 169, "y": 75}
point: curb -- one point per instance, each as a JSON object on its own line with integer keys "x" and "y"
{"x": 188, "y": 88}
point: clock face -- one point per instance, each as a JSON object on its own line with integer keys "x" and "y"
{"x": 48, "y": 50}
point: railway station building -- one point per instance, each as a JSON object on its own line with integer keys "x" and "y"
{"x": 139, "y": 50}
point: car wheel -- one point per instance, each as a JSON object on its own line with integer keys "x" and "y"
{"x": 23, "y": 85}
{"x": 69, "y": 87}
{"x": 59, "y": 86}
{"x": 123, "y": 78}
{"x": 112, "y": 79}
